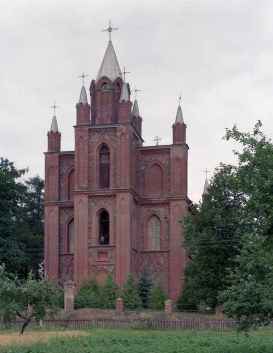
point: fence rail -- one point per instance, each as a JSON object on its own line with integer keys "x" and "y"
{"x": 184, "y": 324}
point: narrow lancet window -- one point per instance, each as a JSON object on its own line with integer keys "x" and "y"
{"x": 70, "y": 237}
{"x": 154, "y": 233}
{"x": 104, "y": 228}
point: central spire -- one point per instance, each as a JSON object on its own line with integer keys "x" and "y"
{"x": 110, "y": 66}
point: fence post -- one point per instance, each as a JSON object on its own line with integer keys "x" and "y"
{"x": 69, "y": 296}
{"x": 168, "y": 307}
{"x": 119, "y": 306}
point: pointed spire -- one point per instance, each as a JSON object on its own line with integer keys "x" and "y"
{"x": 109, "y": 66}
{"x": 54, "y": 124}
{"x": 83, "y": 96}
{"x": 179, "y": 115}
{"x": 124, "y": 97}
{"x": 135, "y": 110}
{"x": 206, "y": 187}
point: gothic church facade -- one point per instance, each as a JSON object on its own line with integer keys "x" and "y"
{"x": 112, "y": 205}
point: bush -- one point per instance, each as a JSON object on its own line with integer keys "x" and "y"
{"x": 144, "y": 288}
{"x": 109, "y": 293}
{"x": 89, "y": 296}
{"x": 158, "y": 298}
{"x": 186, "y": 301}
{"x": 130, "y": 294}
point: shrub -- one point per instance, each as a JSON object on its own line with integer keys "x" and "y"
{"x": 144, "y": 288}
{"x": 130, "y": 294}
{"x": 89, "y": 296}
{"x": 109, "y": 293}
{"x": 158, "y": 298}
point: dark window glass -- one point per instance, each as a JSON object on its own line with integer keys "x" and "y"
{"x": 104, "y": 228}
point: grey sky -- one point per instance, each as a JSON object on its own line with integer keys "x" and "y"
{"x": 217, "y": 53}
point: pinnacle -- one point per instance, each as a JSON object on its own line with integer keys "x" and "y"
{"x": 83, "y": 96}
{"x": 54, "y": 124}
{"x": 124, "y": 97}
{"x": 179, "y": 115}
{"x": 135, "y": 110}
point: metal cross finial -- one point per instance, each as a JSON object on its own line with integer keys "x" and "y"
{"x": 82, "y": 76}
{"x": 124, "y": 72}
{"x": 157, "y": 139}
{"x": 206, "y": 171}
{"x": 136, "y": 92}
{"x": 54, "y": 107}
{"x": 179, "y": 99}
{"x": 110, "y": 29}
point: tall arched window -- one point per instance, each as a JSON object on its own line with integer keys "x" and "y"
{"x": 104, "y": 167}
{"x": 70, "y": 237}
{"x": 104, "y": 228}
{"x": 154, "y": 233}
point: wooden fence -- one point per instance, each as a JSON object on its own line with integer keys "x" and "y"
{"x": 184, "y": 324}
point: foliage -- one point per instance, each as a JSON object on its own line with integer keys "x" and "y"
{"x": 130, "y": 294}
{"x": 27, "y": 299}
{"x": 212, "y": 239}
{"x": 109, "y": 293}
{"x": 249, "y": 299}
{"x": 158, "y": 297}
{"x": 21, "y": 220}
{"x": 144, "y": 288}
{"x": 89, "y": 296}
{"x": 136, "y": 341}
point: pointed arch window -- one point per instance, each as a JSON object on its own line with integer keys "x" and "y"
{"x": 154, "y": 226}
{"x": 104, "y": 228}
{"x": 70, "y": 237}
{"x": 104, "y": 167}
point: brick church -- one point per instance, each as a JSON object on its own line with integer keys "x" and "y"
{"x": 112, "y": 205}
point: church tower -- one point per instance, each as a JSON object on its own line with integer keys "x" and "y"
{"x": 117, "y": 205}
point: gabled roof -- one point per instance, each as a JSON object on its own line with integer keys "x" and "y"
{"x": 109, "y": 66}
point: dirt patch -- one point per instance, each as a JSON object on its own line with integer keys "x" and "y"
{"x": 30, "y": 337}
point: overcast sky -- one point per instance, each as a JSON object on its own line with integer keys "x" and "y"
{"x": 217, "y": 53}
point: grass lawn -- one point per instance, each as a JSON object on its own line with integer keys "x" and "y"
{"x": 136, "y": 341}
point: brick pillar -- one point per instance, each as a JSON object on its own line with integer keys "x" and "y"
{"x": 69, "y": 296}
{"x": 119, "y": 306}
{"x": 123, "y": 237}
{"x": 168, "y": 306}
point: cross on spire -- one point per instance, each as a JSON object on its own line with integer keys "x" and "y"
{"x": 82, "y": 76}
{"x": 157, "y": 139}
{"x": 54, "y": 107}
{"x": 136, "y": 92}
{"x": 180, "y": 99}
{"x": 110, "y": 29}
{"x": 206, "y": 171}
{"x": 124, "y": 72}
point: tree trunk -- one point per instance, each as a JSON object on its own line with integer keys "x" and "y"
{"x": 25, "y": 324}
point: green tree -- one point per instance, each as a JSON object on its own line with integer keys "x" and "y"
{"x": 249, "y": 299}
{"x": 144, "y": 288}
{"x": 12, "y": 193}
{"x": 212, "y": 239}
{"x": 89, "y": 296}
{"x": 130, "y": 294}
{"x": 158, "y": 297}
{"x": 27, "y": 299}
{"x": 109, "y": 293}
